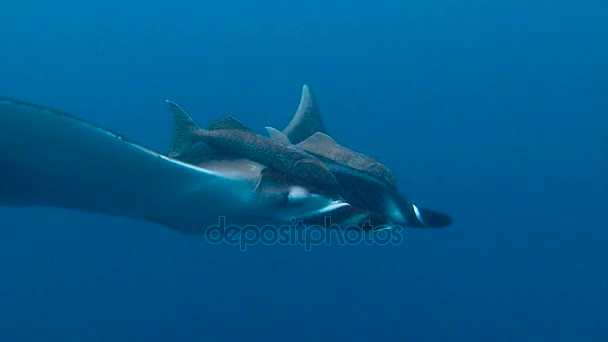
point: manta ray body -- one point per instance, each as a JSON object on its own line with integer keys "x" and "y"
{"x": 53, "y": 159}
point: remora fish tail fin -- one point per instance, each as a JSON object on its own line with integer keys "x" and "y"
{"x": 307, "y": 119}
{"x": 184, "y": 130}
{"x": 276, "y": 135}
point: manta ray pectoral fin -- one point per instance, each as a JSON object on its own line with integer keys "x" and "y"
{"x": 56, "y": 160}
{"x": 307, "y": 119}
{"x": 277, "y": 135}
{"x": 228, "y": 122}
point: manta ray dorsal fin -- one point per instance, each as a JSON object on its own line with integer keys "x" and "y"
{"x": 307, "y": 119}
{"x": 184, "y": 129}
{"x": 228, "y": 122}
{"x": 277, "y": 135}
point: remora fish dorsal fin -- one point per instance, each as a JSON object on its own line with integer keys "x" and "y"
{"x": 307, "y": 119}
{"x": 317, "y": 141}
{"x": 228, "y": 122}
{"x": 184, "y": 130}
{"x": 277, "y": 135}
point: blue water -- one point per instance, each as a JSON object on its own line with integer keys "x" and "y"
{"x": 493, "y": 111}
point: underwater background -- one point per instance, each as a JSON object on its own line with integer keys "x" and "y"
{"x": 493, "y": 111}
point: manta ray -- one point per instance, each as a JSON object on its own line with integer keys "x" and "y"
{"x": 57, "y": 160}
{"x": 367, "y": 185}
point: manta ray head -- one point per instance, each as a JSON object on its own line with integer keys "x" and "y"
{"x": 376, "y": 206}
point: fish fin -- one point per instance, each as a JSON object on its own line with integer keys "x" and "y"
{"x": 184, "y": 131}
{"x": 277, "y": 135}
{"x": 228, "y": 122}
{"x": 307, "y": 119}
{"x": 317, "y": 140}
{"x": 312, "y": 167}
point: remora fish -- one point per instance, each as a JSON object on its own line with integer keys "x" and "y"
{"x": 53, "y": 159}
{"x": 229, "y": 137}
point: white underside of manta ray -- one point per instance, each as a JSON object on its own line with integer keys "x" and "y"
{"x": 56, "y": 160}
